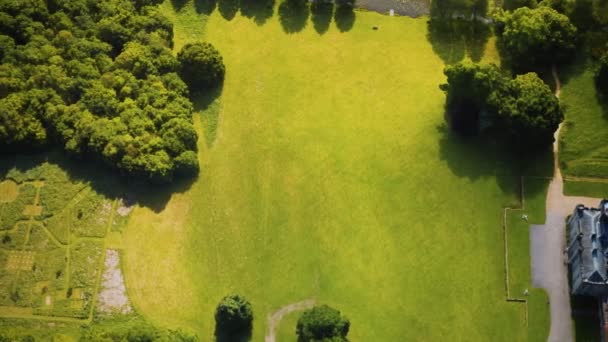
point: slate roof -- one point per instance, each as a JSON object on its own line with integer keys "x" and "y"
{"x": 588, "y": 249}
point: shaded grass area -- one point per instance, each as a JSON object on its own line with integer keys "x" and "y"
{"x": 583, "y": 149}
{"x": 331, "y": 176}
{"x": 586, "y": 188}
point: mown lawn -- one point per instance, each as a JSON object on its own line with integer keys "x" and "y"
{"x": 583, "y": 149}
{"x": 327, "y": 173}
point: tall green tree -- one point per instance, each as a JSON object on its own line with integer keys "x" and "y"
{"x": 536, "y": 37}
{"x": 522, "y": 110}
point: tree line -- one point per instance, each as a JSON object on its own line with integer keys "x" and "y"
{"x": 98, "y": 79}
{"x": 512, "y": 100}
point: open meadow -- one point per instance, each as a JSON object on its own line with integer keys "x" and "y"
{"x": 327, "y": 173}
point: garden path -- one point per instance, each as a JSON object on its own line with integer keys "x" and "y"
{"x": 275, "y": 318}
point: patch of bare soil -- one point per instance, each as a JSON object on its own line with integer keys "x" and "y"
{"x": 113, "y": 293}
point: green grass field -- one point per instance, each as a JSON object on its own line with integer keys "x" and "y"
{"x": 328, "y": 173}
{"x": 582, "y": 143}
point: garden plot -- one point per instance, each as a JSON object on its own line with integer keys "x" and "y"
{"x": 52, "y": 237}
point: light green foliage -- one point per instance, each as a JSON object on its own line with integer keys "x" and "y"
{"x": 535, "y": 37}
{"x": 60, "y": 85}
{"x": 322, "y": 323}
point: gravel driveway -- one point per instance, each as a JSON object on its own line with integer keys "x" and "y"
{"x": 547, "y": 244}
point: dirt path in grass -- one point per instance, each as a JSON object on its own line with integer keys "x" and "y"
{"x": 558, "y": 84}
{"x": 547, "y": 244}
{"x": 277, "y": 316}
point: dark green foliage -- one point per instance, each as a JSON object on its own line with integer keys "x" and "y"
{"x": 524, "y": 110}
{"x": 530, "y": 113}
{"x": 322, "y": 323}
{"x": 233, "y": 319}
{"x": 468, "y": 88}
{"x": 98, "y": 78}
{"x": 601, "y": 76}
{"x": 200, "y": 65}
{"x": 530, "y": 38}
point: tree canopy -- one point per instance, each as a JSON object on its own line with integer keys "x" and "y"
{"x": 200, "y": 65}
{"x": 322, "y": 323}
{"x": 534, "y": 37}
{"x": 233, "y": 318}
{"x": 523, "y": 109}
{"x": 98, "y": 79}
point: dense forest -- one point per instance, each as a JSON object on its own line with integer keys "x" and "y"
{"x": 98, "y": 79}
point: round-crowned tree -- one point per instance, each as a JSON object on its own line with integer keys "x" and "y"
{"x": 200, "y": 65}
{"x": 529, "y": 112}
{"x": 322, "y": 323}
{"x": 601, "y": 76}
{"x": 233, "y": 319}
{"x": 533, "y": 37}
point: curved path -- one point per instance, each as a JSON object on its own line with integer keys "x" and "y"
{"x": 547, "y": 244}
{"x": 277, "y": 316}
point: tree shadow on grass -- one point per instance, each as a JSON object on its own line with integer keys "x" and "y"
{"x": 477, "y": 157}
{"x": 446, "y": 43}
{"x": 452, "y": 40}
{"x": 178, "y": 4}
{"x": 228, "y": 8}
{"x": 293, "y": 15}
{"x": 102, "y": 179}
{"x": 258, "y": 10}
{"x": 321, "y": 15}
{"x": 344, "y": 18}
{"x": 205, "y": 6}
{"x": 208, "y": 104}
